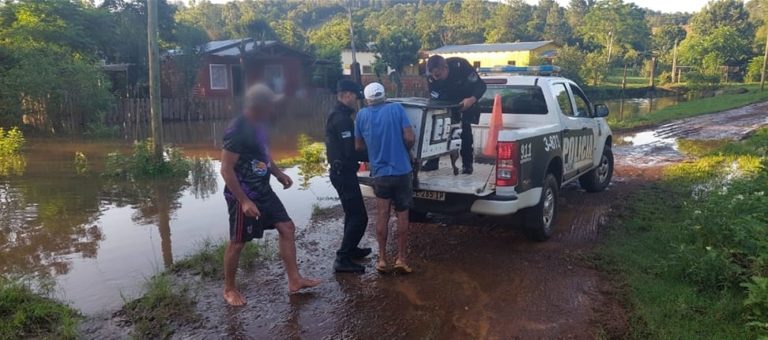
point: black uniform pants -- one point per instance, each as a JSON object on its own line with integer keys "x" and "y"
{"x": 355, "y": 216}
{"x": 467, "y": 152}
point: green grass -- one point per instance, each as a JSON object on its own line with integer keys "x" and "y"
{"x": 693, "y": 108}
{"x": 685, "y": 247}
{"x": 208, "y": 260}
{"x": 163, "y": 307}
{"x": 25, "y": 314}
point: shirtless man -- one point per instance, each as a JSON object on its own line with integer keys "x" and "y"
{"x": 246, "y": 166}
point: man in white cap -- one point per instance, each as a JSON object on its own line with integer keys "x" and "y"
{"x": 385, "y": 131}
{"x": 247, "y": 166}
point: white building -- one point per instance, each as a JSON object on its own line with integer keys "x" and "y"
{"x": 365, "y": 58}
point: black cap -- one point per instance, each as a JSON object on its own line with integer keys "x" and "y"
{"x": 349, "y": 86}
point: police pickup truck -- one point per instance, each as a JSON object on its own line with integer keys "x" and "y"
{"x": 551, "y": 135}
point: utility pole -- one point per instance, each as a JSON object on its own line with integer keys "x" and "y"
{"x": 674, "y": 63}
{"x": 765, "y": 60}
{"x": 154, "y": 80}
{"x": 652, "y": 75}
{"x": 355, "y": 67}
{"x": 610, "y": 45}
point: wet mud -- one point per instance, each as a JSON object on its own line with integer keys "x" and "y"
{"x": 476, "y": 277}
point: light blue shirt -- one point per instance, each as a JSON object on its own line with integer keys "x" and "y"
{"x": 381, "y": 126}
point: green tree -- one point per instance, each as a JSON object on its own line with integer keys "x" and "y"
{"x": 557, "y": 28}
{"x": 594, "y": 68}
{"x": 398, "y": 49}
{"x": 577, "y": 10}
{"x": 289, "y": 33}
{"x": 723, "y": 46}
{"x": 570, "y": 59}
{"x": 509, "y": 22}
{"x": 464, "y": 22}
{"x": 538, "y": 22}
{"x": 664, "y": 38}
{"x": 615, "y": 26}
{"x": 722, "y": 13}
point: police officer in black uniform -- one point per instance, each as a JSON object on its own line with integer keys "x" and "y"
{"x": 455, "y": 80}
{"x": 340, "y": 149}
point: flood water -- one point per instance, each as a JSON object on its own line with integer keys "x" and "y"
{"x": 621, "y": 109}
{"x": 99, "y": 239}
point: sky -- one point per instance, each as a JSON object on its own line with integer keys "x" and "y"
{"x": 658, "y": 5}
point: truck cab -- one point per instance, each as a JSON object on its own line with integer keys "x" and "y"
{"x": 551, "y": 134}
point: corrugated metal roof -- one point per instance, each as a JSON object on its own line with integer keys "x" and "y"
{"x": 234, "y": 49}
{"x": 503, "y": 47}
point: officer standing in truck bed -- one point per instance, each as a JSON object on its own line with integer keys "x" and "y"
{"x": 343, "y": 158}
{"x": 455, "y": 80}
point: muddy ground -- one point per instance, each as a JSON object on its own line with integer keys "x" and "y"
{"x": 477, "y": 278}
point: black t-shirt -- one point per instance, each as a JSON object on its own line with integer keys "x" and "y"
{"x": 462, "y": 82}
{"x": 340, "y": 140}
{"x": 251, "y": 142}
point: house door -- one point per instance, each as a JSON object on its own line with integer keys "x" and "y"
{"x": 273, "y": 76}
{"x": 237, "y": 80}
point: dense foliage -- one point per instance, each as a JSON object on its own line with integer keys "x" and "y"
{"x": 50, "y": 51}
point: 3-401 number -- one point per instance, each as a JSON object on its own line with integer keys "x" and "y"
{"x": 551, "y": 142}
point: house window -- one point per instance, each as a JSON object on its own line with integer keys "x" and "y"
{"x": 511, "y": 62}
{"x": 476, "y": 64}
{"x": 219, "y": 78}
{"x": 273, "y": 76}
{"x": 367, "y": 69}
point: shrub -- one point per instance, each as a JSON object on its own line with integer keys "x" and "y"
{"x": 141, "y": 163}
{"x": 24, "y": 314}
{"x": 754, "y": 69}
{"x": 11, "y": 142}
{"x": 81, "y": 163}
{"x": 756, "y": 303}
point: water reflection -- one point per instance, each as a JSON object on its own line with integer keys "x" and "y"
{"x": 622, "y": 109}
{"x": 100, "y": 238}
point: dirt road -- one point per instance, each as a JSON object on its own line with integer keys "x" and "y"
{"x": 477, "y": 278}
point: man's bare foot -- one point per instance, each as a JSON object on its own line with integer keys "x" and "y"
{"x": 302, "y": 283}
{"x": 402, "y": 267}
{"x": 233, "y": 297}
{"x": 382, "y": 266}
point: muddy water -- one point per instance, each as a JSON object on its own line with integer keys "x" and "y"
{"x": 97, "y": 238}
{"x": 634, "y": 107}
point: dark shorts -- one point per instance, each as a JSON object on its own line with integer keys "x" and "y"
{"x": 399, "y": 189}
{"x": 244, "y": 228}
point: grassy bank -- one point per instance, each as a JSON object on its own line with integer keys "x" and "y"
{"x": 693, "y": 108}
{"x": 693, "y": 248}
{"x": 25, "y": 314}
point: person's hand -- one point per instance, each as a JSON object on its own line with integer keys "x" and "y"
{"x": 467, "y": 103}
{"x": 286, "y": 181}
{"x": 250, "y": 209}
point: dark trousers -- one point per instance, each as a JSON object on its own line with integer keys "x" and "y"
{"x": 467, "y": 151}
{"x": 355, "y": 216}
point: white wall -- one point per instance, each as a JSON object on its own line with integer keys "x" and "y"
{"x": 365, "y": 59}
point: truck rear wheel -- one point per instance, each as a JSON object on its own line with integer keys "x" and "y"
{"x": 417, "y": 216}
{"x": 539, "y": 219}
{"x": 599, "y": 178}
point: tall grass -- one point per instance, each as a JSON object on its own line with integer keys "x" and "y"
{"x": 26, "y": 314}
{"x": 164, "y": 306}
{"x": 141, "y": 163}
{"x": 694, "y": 247}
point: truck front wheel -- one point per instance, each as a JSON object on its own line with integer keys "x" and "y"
{"x": 599, "y": 178}
{"x": 539, "y": 219}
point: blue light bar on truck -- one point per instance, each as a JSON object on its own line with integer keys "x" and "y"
{"x": 532, "y": 70}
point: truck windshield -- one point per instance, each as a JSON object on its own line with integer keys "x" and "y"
{"x": 527, "y": 100}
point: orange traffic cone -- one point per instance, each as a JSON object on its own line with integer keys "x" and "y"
{"x": 494, "y": 126}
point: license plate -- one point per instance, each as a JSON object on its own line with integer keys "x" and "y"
{"x": 430, "y": 195}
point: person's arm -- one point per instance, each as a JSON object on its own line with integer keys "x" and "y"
{"x": 359, "y": 141}
{"x": 409, "y": 138}
{"x": 228, "y": 161}
{"x": 281, "y": 177}
{"x": 478, "y": 85}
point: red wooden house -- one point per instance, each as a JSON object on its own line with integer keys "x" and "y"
{"x": 285, "y": 69}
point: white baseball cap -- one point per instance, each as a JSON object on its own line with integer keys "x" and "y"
{"x": 374, "y": 91}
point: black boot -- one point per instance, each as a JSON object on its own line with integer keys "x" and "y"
{"x": 360, "y": 253}
{"x": 467, "y": 170}
{"x": 345, "y": 265}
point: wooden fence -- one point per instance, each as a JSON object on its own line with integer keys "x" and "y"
{"x": 135, "y": 111}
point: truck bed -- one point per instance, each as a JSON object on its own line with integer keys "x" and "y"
{"x": 479, "y": 183}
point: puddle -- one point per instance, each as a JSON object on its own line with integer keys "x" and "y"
{"x": 97, "y": 239}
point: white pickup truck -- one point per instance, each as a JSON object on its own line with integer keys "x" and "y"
{"x": 551, "y": 135}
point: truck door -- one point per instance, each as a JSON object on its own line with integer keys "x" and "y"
{"x": 578, "y": 137}
{"x": 585, "y": 111}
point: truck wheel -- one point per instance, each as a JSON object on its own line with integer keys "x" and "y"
{"x": 599, "y": 178}
{"x": 540, "y": 218}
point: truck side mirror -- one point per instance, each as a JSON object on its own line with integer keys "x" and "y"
{"x": 601, "y": 110}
